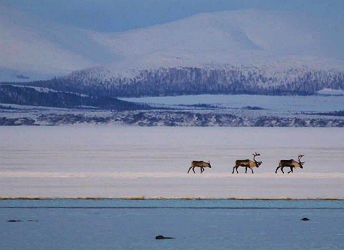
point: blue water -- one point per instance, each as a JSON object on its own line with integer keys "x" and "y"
{"x": 195, "y": 224}
{"x": 177, "y": 203}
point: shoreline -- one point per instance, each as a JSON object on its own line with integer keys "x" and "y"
{"x": 171, "y": 198}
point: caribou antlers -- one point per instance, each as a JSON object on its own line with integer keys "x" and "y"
{"x": 299, "y": 159}
{"x": 254, "y": 155}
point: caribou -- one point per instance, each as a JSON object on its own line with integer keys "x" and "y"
{"x": 199, "y": 164}
{"x": 291, "y": 164}
{"x": 247, "y": 164}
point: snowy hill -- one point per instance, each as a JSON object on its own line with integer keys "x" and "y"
{"x": 246, "y": 51}
{"x": 197, "y": 80}
{"x": 250, "y": 37}
{"x": 34, "y": 96}
{"x": 40, "y": 50}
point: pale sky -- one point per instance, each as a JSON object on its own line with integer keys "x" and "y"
{"x": 122, "y": 15}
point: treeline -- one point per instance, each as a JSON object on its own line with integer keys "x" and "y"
{"x": 23, "y": 95}
{"x": 195, "y": 80}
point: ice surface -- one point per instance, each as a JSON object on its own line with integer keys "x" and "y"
{"x": 274, "y": 104}
{"x": 109, "y": 161}
{"x": 331, "y": 92}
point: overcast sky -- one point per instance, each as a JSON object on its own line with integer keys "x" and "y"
{"x": 122, "y": 15}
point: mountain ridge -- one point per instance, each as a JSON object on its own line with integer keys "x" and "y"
{"x": 242, "y": 37}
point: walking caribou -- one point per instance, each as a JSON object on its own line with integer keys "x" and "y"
{"x": 247, "y": 164}
{"x": 291, "y": 164}
{"x": 199, "y": 164}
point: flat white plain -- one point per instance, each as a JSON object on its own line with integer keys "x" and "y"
{"x": 109, "y": 161}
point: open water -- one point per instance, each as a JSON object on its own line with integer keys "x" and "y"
{"x": 195, "y": 224}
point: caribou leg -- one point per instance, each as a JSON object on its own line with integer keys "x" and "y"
{"x": 245, "y": 170}
{"x": 236, "y": 168}
{"x": 202, "y": 170}
{"x": 282, "y": 170}
{"x": 189, "y": 169}
{"x": 193, "y": 169}
{"x": 277, "y": 169}
{"x": 251, "y": 170}
{"x": 291, "y": 170}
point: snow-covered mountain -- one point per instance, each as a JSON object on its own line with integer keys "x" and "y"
{"x": 231, "y": 51}
{"x": 37, "y": 49}
{"x": 250, "y": 37}
{"x": 225, "y": 52}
